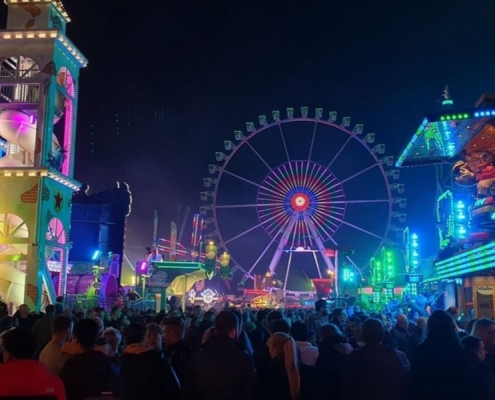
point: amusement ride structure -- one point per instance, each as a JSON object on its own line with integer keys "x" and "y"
{"x": 39, "y": 72}
{"x": 298, "y": 185}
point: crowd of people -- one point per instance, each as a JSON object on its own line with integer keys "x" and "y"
{"x": 244, "y": 354}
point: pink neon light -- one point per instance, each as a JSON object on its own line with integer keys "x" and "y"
{"x": 66, "y": 168}
{"x": 143, "y": 266}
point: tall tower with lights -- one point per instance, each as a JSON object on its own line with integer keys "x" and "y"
{"x": 39, "y": 76}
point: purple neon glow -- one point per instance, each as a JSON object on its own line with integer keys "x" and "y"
{"x": 143, "y": 266}
{"x": 69, "y": 124}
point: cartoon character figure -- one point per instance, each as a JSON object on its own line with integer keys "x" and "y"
{"x": 476, "y": 169}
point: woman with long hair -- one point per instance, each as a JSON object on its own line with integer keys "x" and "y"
{"x": 282, "y": 380}
{"x": 484, "y": 329}
{"x": 438, "y": 364}
{"x": 482, "y": 378}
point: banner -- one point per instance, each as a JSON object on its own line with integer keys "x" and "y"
{"x": 173, "y": 241}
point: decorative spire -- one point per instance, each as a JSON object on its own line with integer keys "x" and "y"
{"x": 447, "y": 101}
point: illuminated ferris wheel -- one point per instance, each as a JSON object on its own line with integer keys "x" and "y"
{"x": 301, "y": 186}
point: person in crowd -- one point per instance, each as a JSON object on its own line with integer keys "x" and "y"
{"x": 300, "y": 333}
{"x": 221, "y": 370}
{"x": 417, "y": 332}
{"x": 145, "y": 372}
{"x": 333, "y": 356}
{"x": 20, "y": 375}
{"x": 52, "y": 355}
{"x": 89, "y": 373}
{"x": 316, "y": 321}
{"x": 484, "y": 328}
{"x": 154, "y": 336}
{"x": 23, "y": 318}
{"x": 113, "y": 338}
{"x": 454, "y": 311}
{"x": 262, "y": 325}
{"x": 375, "y": 371}
{"x": 438, "y": 364}
{"x": 42, "y": 328}
{"x": 115, "y": 320}
{"x": 207, "y": 322}
{"x": 478, "y": 371}
{"x": 400, "y": 335}
{"x": 355, "y": 336}
{"x": 177, "y": 350}
{"x": 339, "y": 318}
{"x": 283, "y": 379}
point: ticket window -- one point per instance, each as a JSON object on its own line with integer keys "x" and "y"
{"x": 483, "y": 298}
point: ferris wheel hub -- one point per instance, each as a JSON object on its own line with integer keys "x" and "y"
{"x": 300, "y": 202}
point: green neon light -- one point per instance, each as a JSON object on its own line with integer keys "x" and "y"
{"x": 482, "y": 265}
{"x": 178, "y": 264}
{"x": 470, "y": 259}
{"x": 475, "y": 251}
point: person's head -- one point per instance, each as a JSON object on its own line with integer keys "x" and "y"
{"x": 261, "y": 316}
{"x": 441, "y": 328}
{"x": 18, "y": 344}
{"x": 330, "y": 334}
{"x": 197, "y": 311}
{"x": 134, "y": 333}
{"x": 484, "y": 328}
{"x": 62, "y": 326}
{"x": 421, "y": 322}
{"x": 373, "y": 331}
{"x": 454, "y": 311}
{"x": 339, "y": 315}
{"x": 113, "y": 337}
{"x": 355, "y": 324}
{"x": 282, "y": 345}
{"x": 154, "y": 335}
{"x": 209, "y": 333}
{"x": 227, "y": 323}
{"x": 401, "y": 321}
{"x": 116, "y": 312}
{"x": 474, "y": 348}
{"x": 98, "y": 312}
{"x": 101, "y": 325}
{"x": 174, "y": 329}
{"x": 278, "y": 325}
{"x": 273, "y": 315}
{"x": 50, "y": 309}
{"x": 209, "y": 316}
{"x": 24, "y": 310}
{"x": 86, "y": 333}
{"x": 321, "y": 307}
{"x": 299, "y": 332}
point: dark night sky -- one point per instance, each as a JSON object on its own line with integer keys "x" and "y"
{"x": 212, "y": 65}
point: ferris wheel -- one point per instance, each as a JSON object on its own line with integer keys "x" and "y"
{"x": 297, "y": 187}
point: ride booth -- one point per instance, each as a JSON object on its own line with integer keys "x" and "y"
{"x": 463, "y": 141}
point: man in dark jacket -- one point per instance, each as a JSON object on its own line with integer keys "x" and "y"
{"x": 42, "y": 328}
{"x": 144, "y": 372}
{"x": 177, "y": 350}
{"x": 374, "y": 371}
{"x": 221, "y": 370}
{"x": 90, "y": 373}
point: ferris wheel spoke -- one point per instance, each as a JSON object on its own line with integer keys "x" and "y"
{"x": 361, "y": 229}
{"x": 290, "y": 176}
{"x": 340, "y": 151}
{"x": 242, "y": 179}
{"x": 244, "y": 233}
{"x": 259, "y": 156}
{"x": 261, "y": 255}
{"x": 312, "y": 141}
{"x": 250, "y": 205}
{"x": 356, "y": 175}
{"x": 358, "y": 201}
{"x": 283, "y": 141}
{"x": 276, "y": 184}
{"x": 328, "y": 224}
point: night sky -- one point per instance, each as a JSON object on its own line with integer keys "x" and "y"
{"x": 169, "y": 81}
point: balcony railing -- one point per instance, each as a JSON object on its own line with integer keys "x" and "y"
{"x": 19, "y": 93}
{"x": 23, "y": 73}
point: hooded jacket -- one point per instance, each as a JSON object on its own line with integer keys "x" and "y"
{"x": 29, "y": 378}
{"x": 308, "y": 352}
{"x": 146, "y": 374}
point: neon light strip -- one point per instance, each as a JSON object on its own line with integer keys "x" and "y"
{"x": 482, "y": 265}
{"x": 66, "y": 168}
{"x": 465, "y": 256}
{"x": 56, "y": 3}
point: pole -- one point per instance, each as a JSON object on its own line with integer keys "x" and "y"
{"x": 184, "y": 295}
{"x": 336, "y": 273}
